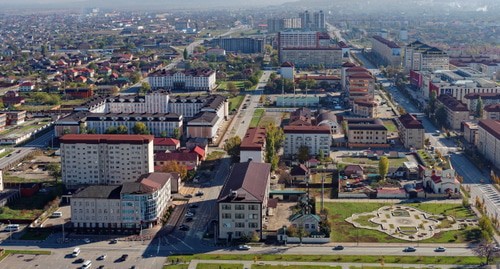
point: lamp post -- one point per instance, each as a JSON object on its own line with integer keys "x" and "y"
{"x": 10, "y": 231}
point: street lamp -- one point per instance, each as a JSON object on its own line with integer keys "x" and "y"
{"x": 10, "y": 231}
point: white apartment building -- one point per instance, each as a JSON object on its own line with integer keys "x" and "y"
{"x": 471, "y": 99}
{"x": 125, "y": 207}
{"x": 304, "y": 57}
{"x": 388, "y": 51}
{"x": 242, "y": 202}
{"x": 88, "y": 159}
{"x": 367, "y": 132}
{"x": 157, "y": 123}
{"x": 420, "y": 56}
{"x": 459, "y": 89}
{"x": 488, "y": 140}
{"x": 298, "y": 39}
{"x": 316, "y": 138}
{"x": 190, "y": 80}
{"x": 152, "y": 102}
{"x": 456, "y": 111}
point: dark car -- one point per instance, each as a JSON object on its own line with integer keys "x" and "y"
{"x": 123, "y": 257}
{"x": 184, "y": 228}
{"x": 100, "y": 267}
{"x": 409, "y": 249}
{"x": 80, "y": 260}
{"x": 199, "y": 193}
{"x": 193, "y": 206}
{"x": 339, "y": 247}
{"x": 188, "y": 196}
{"x": 113, "y": 241}
{"x": 188, "y": 219}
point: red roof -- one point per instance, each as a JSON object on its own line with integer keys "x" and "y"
{"x": 166, "y": 142}
{"x": 436, "y": 179}
{"x": 307, "y": 129}
{"x": 361, "y": 75}
{"x": 26, "y": 84}
{"x": 201, "y": 152}
{"x": 254, "y": 139}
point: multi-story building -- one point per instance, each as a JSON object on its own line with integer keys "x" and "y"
{"x": 319, "y": 20}
{"x": 316, "y": 138}
{"x": 158, "y": 124}
{"x": 304, "y": 57}
{"x": 456, "y": 111}
{"x": 189, "y": 80}
{"x": 492, "y": 112}
{"x": 411, "y": 131}
{"x": 360, "y": 83}
{"x": 314, "y": 22}
{"x": 3, "y": 121}
{"x": 365, "y": 107}
{"x": 388, "y": 51}
{"x": 240, "y": 45}
{"x": 242, "y": 203}
{"x": 152, "y": 102}
{"x": 297, "y": 101}
{"x": 367, "y": 132}
{"x": 204, "y": 125}
{"x": 189, "y": 106}
{"x": 122, "y": 208}
{"x": 471, "y": 99}
{"x": 420, "y": 56}
{"x": 298, "y": 39}
{"x": 253, "y": 145}
{"x": 88, "y": 159}
{"x": 470, "y": 132}
{"x": 15, "y": 117}
{"x": 488, "y": 140}
{"x": 275, "y": 25}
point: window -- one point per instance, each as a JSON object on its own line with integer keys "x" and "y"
{"x": 253, "y": 216}
{"x": 253, "y": 207}
{"x": 226, "y": 215}
{"x": 226, "y": 207}
{"x": 240, "y": 225}
{"x": 253, "y": 225}
{"x": 239, "y": 207}
{"x": 239, "y": 216}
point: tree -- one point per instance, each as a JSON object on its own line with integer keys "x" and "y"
{"x": 232, "y": 147}
{"x": 111, "y": 130}
{"x": 140, "y": 128}
{"x": 145, "y": 87}
{"x": 136, "y": 77}
{"x": 122, "y": 129}
{"x": 432, "y": 102}
{"x": 303, "y": 153}
{"x": 485, "y": 250}
{"x": 274, "y": 140}
{"x": 185, "y": 54}
{"x": 175, "y": 167}
{"x": 441, "y": 116}
{"x": 383, "y": 166}
{"x": 163, "y": 134}
{"x": 177, "y": 133}
{"x": 54, "y": 170}
{"x": 479, "y": 108}
{"x": 247, "y": 84}
{"x": 465, "y": 202}
{"x": 486, "y": 227}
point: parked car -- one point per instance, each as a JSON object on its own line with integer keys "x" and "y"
{"x": 189, "y": 214}
{"x": 86, "y": 240}
{"x": 339, "y": 247}
{"x": 199, "y": 193}
{"x": 188, "y": 219}
{"x": 184, "y": 227}
{"x": 188, "y": 196}
{"x": 113, "y": 241}
{"x": 440, "y": 249}
{"x": 123, "y": 258}
{"x": 193, "y": 206}
{"x": 409, "y": 249}
{"x": 80, "y": 260}
{"x": 102, "y": 257}
{"x": 244, "y": 247}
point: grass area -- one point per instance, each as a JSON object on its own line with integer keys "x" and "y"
{"x": 5, "y": 153}
{"x": 268, "y": 266}
{"x": 257, "y": 115}
{"x": 393, "y": 162}
{"x": 28, "y": 252}
{"x": 238, "y": 83}
{"x": 29, "y": 208}
{"x": 408, "y": 229}
{"x": 469, "y": 260}
{"x": 35, "y": 108}
{"x": 343, "y": 231}
{"x": 219, "y": 266}
{"x": 16, "y": 179}
{"x": 391, "y": 127}
{"x": 384, "y": 267}
{"x": 73, "y": 102}
{"x": 235, "y": 102}
{"x": 35, "y": 235}
{"x": 365, "y": 221}
{"x": 214, "y": 155}
{"x": 176, "y": 266}
{"x": 266, "y": 120}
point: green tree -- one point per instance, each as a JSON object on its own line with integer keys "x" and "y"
{"x": 54, "y": 170}
{"x": 140, "y": 128}
{"x": 479, "y": 108}
{"x": 230, "y": 86}
{"x": 232, "y": 147}
{"x": 247, "y": 84}
{"x": 145, "y": 87}
{"x": 486, "y": 228}
{"x": 122, "y": 129}
{"x": 177, "y": 133}
{"x": 185, "y": 54}
{"x": 111, "y": 130}
{"x": 163, "y": 134}
{"x": 136, "y": 77}
{"x": 383, "y": 166}
{"x": 441, "y": 116}
{"x": 432, "y": 102}
{"x": 303, "y": 153}
{"x": 274, "y": 140}
{"x": 321, "y": 155}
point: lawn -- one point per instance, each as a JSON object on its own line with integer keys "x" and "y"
{"x": 268, "y": 266}
{"x": 28, "y": 252}
{"x": 365, "y": 221}
{"x": 393, "y": 162}
{"x": 343, "y": 231}
{"x": 266, "y": 120}
{"x": 469, "y": 260}
{"x": 73, "y": 102}
{"x": 238, "y": 83}
{"x": 391, "y": 127}
{"x": 176, "y": 266}
{"x": 235, "y": 102}
{"x": 219, "y": 266}
{"x": 215, "y": 155}
{"x": 29, "y": 208}
{"x": 257, "y": 115}
{"x": 5, "y": 153}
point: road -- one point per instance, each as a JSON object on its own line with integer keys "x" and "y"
{"x": 15, "y": 157}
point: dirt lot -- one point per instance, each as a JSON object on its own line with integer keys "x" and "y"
{"x": 281, "y": 215}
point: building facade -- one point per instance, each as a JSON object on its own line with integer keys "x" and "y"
{"x": 388, "y": 51}
{"x": 420, "y": 56}
{"x": 367, "y": 132}
{"x": 253, "y": 145}
{"x": 492, "y": 112}
{"x": 305, "y": 57}
{"x": 88, "y": 159}
{"x": 242, "y": 202}
{"x": 189, "y": 80}
{"x": 411, "y": 131}
{"x": 488, "y": 140}
{"x": 456, "y": 111}
{"x": 241, "y": 45}
{"x": 316, "y": 138}
{"x": 152, "y": 102}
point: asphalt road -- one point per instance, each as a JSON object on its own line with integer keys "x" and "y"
{"x": 16, "y": 156}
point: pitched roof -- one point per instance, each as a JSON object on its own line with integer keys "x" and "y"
{"x": 452, "y": 103}
{"x": 100, "y": 192}
{"x": 323, "y": 129}
{"x": 198, "y": 150}
{"x": 254, "y": 139}
{"x": 147, "y": 183}
{"x": 106, "y": 139}
{"x": 250, "y": 181}
{"x": 166, "y": 141}
{"x": 410, "y": 122}
{"x": 492, "y": 108}
{"x": 491, "y": 126}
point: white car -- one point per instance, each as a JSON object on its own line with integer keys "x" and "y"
{"x": 189, "y": 214}
{"x": 244, "y": 247}
{"x": 86, "y": 240}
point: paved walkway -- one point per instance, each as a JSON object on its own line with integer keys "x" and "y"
{"x": 393, "y": 201}
{"x": 248, "y": 264}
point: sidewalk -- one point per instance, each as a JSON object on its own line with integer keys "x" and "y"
{"x": 248, "y": 264}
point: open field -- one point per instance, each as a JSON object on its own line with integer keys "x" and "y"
{"x": 235, "y": 102}
{"x": 391, "y": 127}
{"x": 393, "y": 162}
{"x": 219, "y": 266}
{"x": 257, "y": 115}
{"x": 29, "y": 208}
{"x": 345, "y": 232}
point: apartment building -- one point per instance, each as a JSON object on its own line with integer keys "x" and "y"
{"x": 189, "y": 80}
{"x": 15, "y": 117}
{"x": 275, "y": 25}
{"x": 470, "y": 132}
{"x": 369, "y": 132}
{"x": 360, "y": 83}
{"x": 304, "y": 57}
{"x": 152, "y": 102}
{"x": 460, "y": 88}
{"x": 456, "y": 111}
{"x": 253, "y": 145}
{"x": 492, "y": 112}
{"x": 189, "y": 106}
{"x": 314, "y": 21}
{"x": 316, "y": 138}
{"x": 420, "y": 56}
{"x": 471, "y": 99}
{"x": 365, "y": 107}
{"x": 411, "y": 131}
{"x": 123, "y": 208}
{"x": 387, "y": 51}
{"x": 3, "y": 121}
{"x": 204, "y": 125}
{"x": 158, "y": 124}
{"x": 240, "y": 45}
{"x": 88, "y": 159}
{"x": 242, "y": 202}
{"x": 488, "y": 140}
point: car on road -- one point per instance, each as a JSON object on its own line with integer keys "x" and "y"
{"x": 339, "y": 247}
{"x": 199, "y": 193}
{"x": 86, "y": 240}
{"x": 100, "y": 267}
{"x": 113, "y": 241}
{"x": 188, "y": 219}
{"x": 184, "y": 227}
{"x": 437, "y": 133}
{"x": 102, "y": 257}
{"x": 440, "y": 249}
{"x": 123, "y": 258}
{"x": 496, "y": 249}
{"x": 244, "y": 247}
{"x": 188, "y": 196}
{"x": 189, "y": 214}
{"x": 409, "y": 249}
{"x": 80, "y": 260}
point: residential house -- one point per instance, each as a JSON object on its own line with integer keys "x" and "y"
{"x": 12, "y": 99}
{"x": 308, "y": 222}
{"x": 441, "y": 181}
{"x": 353, "y": 170}
{"x": 299, "y": 173}
{"x": 166, "y": 144}
{"x": 253, "y": 145}
{"x": 26, "y": 86}
{"x": 15, "y": 117}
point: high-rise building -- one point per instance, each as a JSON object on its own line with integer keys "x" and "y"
{"x": 89, "y": 159}
{"x": 305, "y": 20}
{"x": 420, "y": 56}
{"x": 319, "y": 20}
{"x": 387, "y": 51}
{"x": 241, "y": 45}
{"x": 316, "y": 21}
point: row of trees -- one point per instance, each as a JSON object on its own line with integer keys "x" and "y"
{"x": 139, "y": 128}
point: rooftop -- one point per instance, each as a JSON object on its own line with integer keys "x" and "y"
{"x": 410, "y": 122}
{"x": 106, "y": 139}
{"x": 99, "y": 191}
{"x": 452, "y": 103}
{"x": 388, "y": 43}
{"x": 247, "y": 182}
{"x": 491, "y": 126}
{"x": 254, "y": 139}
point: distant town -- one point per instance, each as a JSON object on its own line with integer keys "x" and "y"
{"x": 283, "y": 137}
